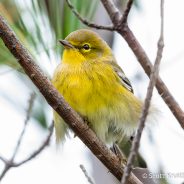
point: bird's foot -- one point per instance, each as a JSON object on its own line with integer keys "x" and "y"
{"x": 116, "y": 150}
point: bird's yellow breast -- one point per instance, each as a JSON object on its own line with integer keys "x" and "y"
{"x": 87, "y": 86}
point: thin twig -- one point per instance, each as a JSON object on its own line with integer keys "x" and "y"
{"x": 10, "y": 163}
{"x": 86, "y": 174}
{"x": 153, "y": 78}
{"x": 39, "y": 150}
{"x": 126, "y": 12}
{"x": 28, "y": 114}
{"x": 3, "y": 159}
{"x": 5, "y": 170}
{"x": 112, "y": 10}
{"x": 86, "y": 22}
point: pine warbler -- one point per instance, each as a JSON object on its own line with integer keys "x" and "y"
{"x": 94, "y": 85}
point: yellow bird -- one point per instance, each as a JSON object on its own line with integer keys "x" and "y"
{"x": 95, "y": 86}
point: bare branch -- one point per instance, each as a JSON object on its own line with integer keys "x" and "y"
{"x": 86, "y": 22}
{"x": 126, "y": 12}
{"x": 39, "y": 150}
{"x": 143, "y": 59}
{"x": 86, "y": 174}
{"x": 6, "y": 168}
{"x": 28, "y": 113}
{"x": 55, "y": 100}
{"x": 3, "y": 159}
{"x": 112, "y": 10}
{"x": 10, "y": 163}
{"x": 153, "y": 78}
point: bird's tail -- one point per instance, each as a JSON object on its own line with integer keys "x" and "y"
{"x": 61, "y": 128}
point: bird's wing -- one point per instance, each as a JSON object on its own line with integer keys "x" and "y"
{"x": 124, "y": 80}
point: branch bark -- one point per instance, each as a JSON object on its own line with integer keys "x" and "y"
{"x": 56, "y": 101}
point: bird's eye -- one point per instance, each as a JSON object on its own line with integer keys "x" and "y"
{"x": 86, "y": 47}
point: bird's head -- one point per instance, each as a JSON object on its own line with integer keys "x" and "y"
{"x": 84, "y": 45}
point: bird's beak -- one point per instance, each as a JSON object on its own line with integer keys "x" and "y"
{"x": 66, "y": 44}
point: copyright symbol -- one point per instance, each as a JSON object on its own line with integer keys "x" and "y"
{"x": 144, "y": 175}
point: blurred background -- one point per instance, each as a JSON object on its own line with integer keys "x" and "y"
{"x": 39, "y": 24}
